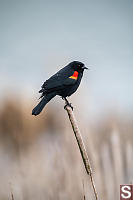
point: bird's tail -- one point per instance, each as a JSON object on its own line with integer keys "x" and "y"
{"x": 42, "y": 103}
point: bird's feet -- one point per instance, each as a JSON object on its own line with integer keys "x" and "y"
{"x": 70, "y": 105}
{"x": 67, "y": 103}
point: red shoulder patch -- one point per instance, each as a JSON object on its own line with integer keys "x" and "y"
{"x": 75, "y": 75}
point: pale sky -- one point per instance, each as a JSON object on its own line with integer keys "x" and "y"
{"x": 39, "y": 37}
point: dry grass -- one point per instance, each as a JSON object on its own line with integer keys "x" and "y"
{"x": 41, "y": 158}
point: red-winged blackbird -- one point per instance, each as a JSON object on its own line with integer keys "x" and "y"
{"x": 64, "y": 83}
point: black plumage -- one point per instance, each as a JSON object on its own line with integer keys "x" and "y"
{"x": 64, "y": 83}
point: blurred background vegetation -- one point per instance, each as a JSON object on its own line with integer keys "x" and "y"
{"x": 39, "y": 157}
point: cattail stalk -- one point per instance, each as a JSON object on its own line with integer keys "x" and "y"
{"x": 81, "y": 145}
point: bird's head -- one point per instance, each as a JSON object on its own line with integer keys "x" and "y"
{"x": 78, "y": 66}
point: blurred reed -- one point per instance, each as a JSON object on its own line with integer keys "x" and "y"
{"x": 39, "y": 156}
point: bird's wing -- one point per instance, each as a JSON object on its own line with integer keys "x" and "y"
{"x": 59, "y": 80}
{"x": 70, "y": 81}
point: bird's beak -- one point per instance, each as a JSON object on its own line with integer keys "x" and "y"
{"x": 84, "y": 67}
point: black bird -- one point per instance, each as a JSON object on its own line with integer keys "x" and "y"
{"x": 64, "y": 83}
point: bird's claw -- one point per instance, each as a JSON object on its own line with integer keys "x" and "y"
{"x": 68, "y": 104}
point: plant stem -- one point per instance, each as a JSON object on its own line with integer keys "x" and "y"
{"x": 80, "y": 145}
